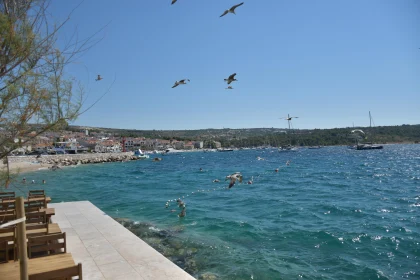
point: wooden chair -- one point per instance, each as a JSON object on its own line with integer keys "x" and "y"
{"x": 36, "y": 218}
{"x": 40, "y": 230}
{"x": 31, "y": 209}
{"x": 66, "y": 273}
{"x": 6, "y": 204}
{"x": 36, "y": 193}
{"x": 7, "y": 195}
{"x": 41, "y": 203}
{"x": 11, "y": 237}
{"x": 4, "y": 251}
{"x": 47, "y": 245}
{"x": 5, "y": 218}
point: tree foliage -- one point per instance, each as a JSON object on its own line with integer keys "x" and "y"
{"x": 34, "y": 88}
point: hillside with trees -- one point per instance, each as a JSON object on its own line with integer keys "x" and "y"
{"x": 249, "y": 137}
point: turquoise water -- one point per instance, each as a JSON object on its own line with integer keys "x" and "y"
{"x": 333, "y": 213}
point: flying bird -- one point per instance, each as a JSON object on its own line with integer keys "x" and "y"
{"x": 229, "y": 87}
{"x": 289, "y": 118}
{"x": 232, "y": 10}
{"x": 233, "y": 177}
{"x": 173, "y": 2}
{"x": 181, "y": 82}
{"x": 231, "y": 78}
{"x": 98, "y": 78}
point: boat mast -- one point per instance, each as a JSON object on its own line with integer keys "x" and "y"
{"x": 288, "y": 121}
{"x": 370, "y": 120}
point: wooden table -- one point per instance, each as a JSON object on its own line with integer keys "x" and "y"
{"x": 11, "y": 270}
{"x": 52, "y": 228}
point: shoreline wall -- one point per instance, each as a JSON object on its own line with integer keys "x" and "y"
{"x": 70, "y": 159}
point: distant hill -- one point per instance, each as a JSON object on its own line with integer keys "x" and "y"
{"x": 273, "y": 136}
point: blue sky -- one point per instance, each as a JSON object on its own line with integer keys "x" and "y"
{"x": 329, "y": 62}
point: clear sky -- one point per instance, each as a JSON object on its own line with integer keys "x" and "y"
{"x": 329, "y": 62}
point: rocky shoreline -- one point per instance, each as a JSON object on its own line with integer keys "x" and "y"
{"x": 184, "y": 254}
{"x": 68, "y": 159}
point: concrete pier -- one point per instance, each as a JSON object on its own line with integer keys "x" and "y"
{"x": 106, "y": 249}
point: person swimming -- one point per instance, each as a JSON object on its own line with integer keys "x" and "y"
{"x": 43, "y": 181}
{"x": 33, "y": 181}
{"x": 182, "y": 214}
{"x": 216, "y": 181}
{"x": 24, "y": 180}
{"x": 288, "y": 162}
{"x": 277, "y": 170}
{"x": 251, "y": 181}
{"x": 201, "y": 169}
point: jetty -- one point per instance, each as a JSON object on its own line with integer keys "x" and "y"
{"x": 106, "y": 249}
{"x": 40, "y": 240}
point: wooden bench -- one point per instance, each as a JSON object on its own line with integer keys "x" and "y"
{"x": 39, "y": 268}
{"x": 46, "y": 245}
{"x": 36, "y": 218}
{"x": 7, "y": 195}
{"x": 35, "y": 193}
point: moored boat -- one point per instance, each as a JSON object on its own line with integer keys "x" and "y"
{"x": 138, "y": 153}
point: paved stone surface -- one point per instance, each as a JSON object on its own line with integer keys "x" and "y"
{"x": 106, "y": 249}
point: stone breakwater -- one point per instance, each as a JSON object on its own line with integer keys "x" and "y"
{"x": 65, "y": 160}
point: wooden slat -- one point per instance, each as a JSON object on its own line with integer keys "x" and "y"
{"x": 4, "y": 195}
{"x": 36, "y": 193}
{"x": 48, "y": 247}
{"x": 36, "y": 217}
{"x": 54, "y": 236}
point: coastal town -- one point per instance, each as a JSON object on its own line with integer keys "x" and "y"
{"x": 69, "y": 142}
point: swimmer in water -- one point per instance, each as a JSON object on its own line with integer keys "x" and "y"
{"x": 216, "y": 181}
{"x": 251, "y": 181}
{"x": 201, "y": 169}
{"x": 43, "y": 181}
{"x": 182, "y": 214}
{"x": 288, "y": 162}
{"x": 277, "y": 170}
{"x": 33, "y": 181}
{"x": 24, "y": 180}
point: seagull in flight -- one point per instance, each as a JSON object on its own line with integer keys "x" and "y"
{"x": 181, "y": 82}
{"x": 231, "y": 78}
{"x": 289, "y": 118}
{"x": 173, "y": 2}
{"x": 98, "y": 78}
{"x": 233, "y": 177}
{"x": 229, "y": 87}
{"x": 232, "y": 10}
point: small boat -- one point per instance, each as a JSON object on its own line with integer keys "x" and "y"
{"x": 138, "y": 153}
{"x": 225, "y": 150}
{"x": 369, "y": 147}
{"x": 288, "y": 148}
{"x": 314, "y": 147}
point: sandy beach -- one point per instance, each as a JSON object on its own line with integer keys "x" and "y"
{"x": 23, "y": 167}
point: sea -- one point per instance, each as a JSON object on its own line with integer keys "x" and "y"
{"x": 332, "y": 213}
